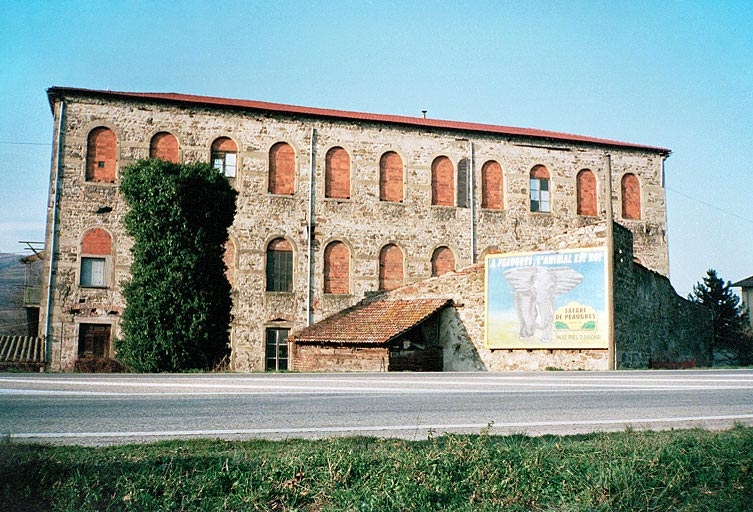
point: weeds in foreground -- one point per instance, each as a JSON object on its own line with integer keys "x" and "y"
{"x": 683, "y": 470}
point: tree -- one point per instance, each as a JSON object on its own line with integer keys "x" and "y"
{"x": 729, "y": 318}
{"x": 178, "y": 299}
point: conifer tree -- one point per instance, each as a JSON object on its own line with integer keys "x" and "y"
{"x": 729, "y": 317}
{"x": 178, "y": 298}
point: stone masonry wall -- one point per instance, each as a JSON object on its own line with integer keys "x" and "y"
{"x": 363, "y": 223}
{"x": 652, "y": 323}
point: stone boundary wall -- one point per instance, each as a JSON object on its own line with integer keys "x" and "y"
{"x": 652, "y": 323}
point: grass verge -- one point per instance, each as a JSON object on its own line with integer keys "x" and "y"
{"x": 694, "y": 470}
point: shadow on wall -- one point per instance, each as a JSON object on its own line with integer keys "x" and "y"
{"x": 460, "y": 354}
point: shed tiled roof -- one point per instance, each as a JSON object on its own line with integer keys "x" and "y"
{"x": 745, "y": 283}
{"x": 21, "y": 350}
{"x": 374, "y": 323}
{"x": 56, "y": 92}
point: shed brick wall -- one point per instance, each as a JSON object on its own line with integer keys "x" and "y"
{"x": 311, "y": 358}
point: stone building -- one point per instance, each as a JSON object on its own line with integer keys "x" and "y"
{"x": 334, "y": 208}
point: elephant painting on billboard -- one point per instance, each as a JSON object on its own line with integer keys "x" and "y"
{"x": 534, "y": 292}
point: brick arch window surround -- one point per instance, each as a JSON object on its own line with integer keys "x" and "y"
{"x": 390, "y": 267}
{"x": 337, "y": 268}
{"x": 224, "y": 156}
{"x": 631, "y": 197}
{"x": 442, "y": 182}
{"x": 164, "y": 146}
{"x": 96, "y": 250}
{"x": 101, "y": 155}
{"x": 442, "y": 261}
{"x": 391, "y": 177}
{"x": 279, "y": 266}
{"x": 585, "y": 184}
{"x": 337, "y": 174}
{"x": 491, "y": 186}
{"x": 541, "y": 199}
{"x": 281, "y": 169}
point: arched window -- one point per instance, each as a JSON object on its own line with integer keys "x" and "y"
{"x": 281, "y": 169}
{"x": 442, "y": 261}
{"x": 442, "y": 182}
{"x": 336, "y": 268}
{"x": 224, "y": 156}
{"x": 390, "y": 267}
{"x": 279, "y": 266}
{"x": 631, "y": 197}
{"x": 491, "y": 186}
{"x": 337, "y": 174}
{"x": 164, "y": 145}
{"x": 391, "y": 177}
{"x": 96, "y": 250}
{"x": 585, "y": 184}
{"x": 101, "y": 155}
{"x": 541, "y": 200}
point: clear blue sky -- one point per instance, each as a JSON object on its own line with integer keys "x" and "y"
{"x": 675, "y": 74}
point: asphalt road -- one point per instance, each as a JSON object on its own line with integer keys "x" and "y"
{"x": 107, "y": 409}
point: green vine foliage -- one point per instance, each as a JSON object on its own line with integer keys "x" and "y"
{"x": 178, "y": 299}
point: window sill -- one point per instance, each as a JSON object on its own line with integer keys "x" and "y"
{"x": 90, "y": 183}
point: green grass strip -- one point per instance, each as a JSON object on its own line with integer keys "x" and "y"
{"x": 689, "y": 470}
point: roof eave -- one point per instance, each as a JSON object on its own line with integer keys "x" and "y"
{"x": 55, "y": 93}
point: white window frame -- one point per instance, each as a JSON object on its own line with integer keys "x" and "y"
{"x": 226, "y": 162}
{"x": 94, "y": 272}
{"x": 542, "y": 198}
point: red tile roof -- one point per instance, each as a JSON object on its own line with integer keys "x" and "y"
{"x": 375, "y": 323}
{"x": 56, "y": 92}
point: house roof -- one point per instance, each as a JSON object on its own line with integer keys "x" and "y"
{"x": 54, "y": 93}
{"x": 745, "y": 283}
{"x": 374, "y": 323}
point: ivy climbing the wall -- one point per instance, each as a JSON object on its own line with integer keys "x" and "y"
{"x": 178, "y": 299}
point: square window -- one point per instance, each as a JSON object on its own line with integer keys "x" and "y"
{"x": 93, "y": 272}
{"x": 101, "y": 164}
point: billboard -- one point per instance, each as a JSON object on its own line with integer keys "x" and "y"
{"x": 547, "y": 300}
